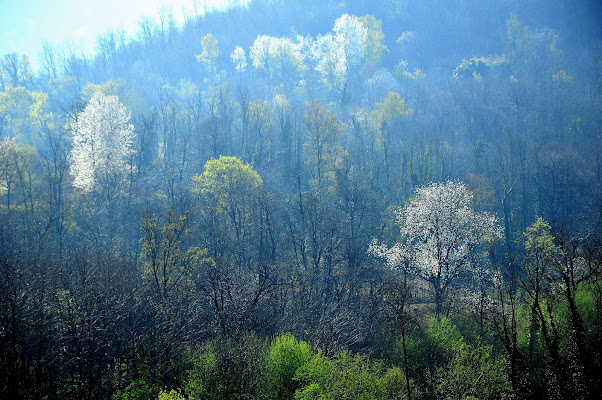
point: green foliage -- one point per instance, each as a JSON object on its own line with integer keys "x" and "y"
{"x": 538, "y": 237}
{"x": 434, "y": 346}
{"x": 525, "y": 336}
{"x": 478, "y": 67}
{"x": 23, "y": 113}
{"x": 394, "y": 383}
{"x": 206, "y": 380}
{"x": 585, "y": 300}
{"x": 226, "y": 182}
{"x": 211, "y": 376}
{"x": 472, "y": 373}
{"x": 541, "y": 249}
{"x": 228, "y": 369}
{"x": 171, "y": 395}
{"x": 443, "y": 336}
{"x": 209, "y": 53}
{"x": 374, "y": 40}
{"x": 454, "y": 368}
{"x": 518, "y": 36}
{"x": 391, "y": 108}
{"x": 118, "y": 87}
{"x": 345, "y": 377}
{"x": 402, "y": 74}
{"x": 137, "y": 390}
{"x": 285, "y": 357}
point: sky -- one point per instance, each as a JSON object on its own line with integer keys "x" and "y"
{"x": 25, "y": 24}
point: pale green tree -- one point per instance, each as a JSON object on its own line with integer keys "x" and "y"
{"x": 209, "y": 53}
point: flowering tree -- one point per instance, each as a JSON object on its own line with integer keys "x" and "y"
{"x": 279, "y": 57}
{"x": 350, "y": 35}
{"x": 330, "y": 61}
{"x": 440, "y": 234}
{"x": 239, "y": 59}
{"x": 102, "y": 143}
{"x": 337, "y": 54}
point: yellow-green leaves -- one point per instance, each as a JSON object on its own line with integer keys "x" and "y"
{"x": 374, "y": 47}
{"x": 562, "y": 76}
{"x": 539, "y": 240}
{"x": 478, "y": 66}
{"x": 227, "y": 180}
{"x": 23, "y": 113}
{"x": 392, "y": 107}
{"x": 323, "y": 126}
{"x": 209, "y": 53}
{"x": 519, "y": 37}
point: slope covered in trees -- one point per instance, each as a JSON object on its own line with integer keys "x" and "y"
{"x": 396, "y": 199}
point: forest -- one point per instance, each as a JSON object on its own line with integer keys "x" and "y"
{"x": 318, "y": 199}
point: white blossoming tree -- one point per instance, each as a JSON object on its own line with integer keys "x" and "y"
{"x": 280, "y": 57}
{"x": 350, "y": 35}
{"x": 102, "y": 144}
{"x": 441, "y": 237}
{"x": 337, "y": 54}
{"x": 239, "y": 59}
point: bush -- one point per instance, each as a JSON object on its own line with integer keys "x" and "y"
{"x": 137, "y": 390}
{"x": 285, "y": 357}
{"x": 345, "y": 377}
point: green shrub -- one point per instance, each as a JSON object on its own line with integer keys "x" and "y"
{"x": 171, "y": 395}
{"x": 137, "y": 390}
{"x": 285, "y": 357}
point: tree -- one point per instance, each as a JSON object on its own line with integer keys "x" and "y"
{"x": 350, "y": 35}
{"x": 102, "y": 144}
{"x": 236, "y": 219}
{"x": 229, "y": 186}
{"x": 261, "y": 121}
{"x": 441, "y": 235}
{"x": 323, "y": 127}
{"x": 374, "y": 37}
{"x": 384, "y": 117}
{"x": 8, "y": 156}
{"x": 23, "y": 113}
{"x": 550, "y": 271}
{"x": 286, "y": 355}
{"x": 15, "y": 71}
{"x": 331, "y": 63}
{"x": 210, "y": 52}
{"x": 279, "y": 57}
{"x": 220, "y": 109}
{"x": 239, "y": 59}
{"x": 339, "y": 54}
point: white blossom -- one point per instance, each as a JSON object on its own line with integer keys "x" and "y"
{"x": 335, "y": 54}
{"x": 350, "y": 36}
{"x": 239, "y": 59}
{"x": 440, "y": 235}
{"x": 273, "y": 54}
{"x": 102, "y": 142}
{"x": 330, "y": 60}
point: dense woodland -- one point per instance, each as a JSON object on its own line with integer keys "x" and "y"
{"x": 395, "y": 199}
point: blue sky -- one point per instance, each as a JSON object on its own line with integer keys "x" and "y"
{"x": 25, "y": 24}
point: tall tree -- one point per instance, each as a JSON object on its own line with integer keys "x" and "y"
{"x": 441, "y": 235}
{"x": 102, "y": 144}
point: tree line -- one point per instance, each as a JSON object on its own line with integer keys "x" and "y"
{"x": 301, "y": 215}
